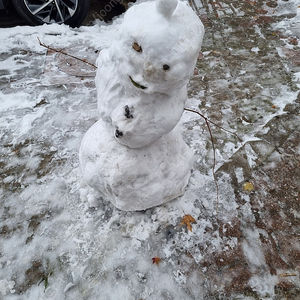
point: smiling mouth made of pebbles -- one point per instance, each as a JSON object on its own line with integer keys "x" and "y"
{"x": 137, "y": 84}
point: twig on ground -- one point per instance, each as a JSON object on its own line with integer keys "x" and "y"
{"x": 64, "y": 53}
{"x": 207, "y": 121}
{"x": 285, "y": 275}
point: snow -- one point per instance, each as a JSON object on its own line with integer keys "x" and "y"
{"x": 47, "y": 227}
{"x": 6, "y": 287}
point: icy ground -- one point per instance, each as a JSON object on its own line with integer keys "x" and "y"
{"x": 53, "y": 246}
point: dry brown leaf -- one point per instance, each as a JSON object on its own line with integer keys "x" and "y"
{"x": 137, "y": 47}
{"x": 156, "y": 260}
{"x": 187, "y": 220}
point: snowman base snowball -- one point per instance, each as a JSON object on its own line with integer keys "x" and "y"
{"x": 135, "y": 179}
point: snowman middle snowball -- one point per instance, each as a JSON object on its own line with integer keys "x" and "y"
{"x": 134, "y": 156}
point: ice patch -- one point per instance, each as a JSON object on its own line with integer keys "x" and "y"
{"x": 251, "y": 155}
{"x": 264, "y": 285}
{"x": 8, "y": 179}
{"x": 255, "y": 49}
{"x": 6, "y": 287}
{"x": 239, "y": 174}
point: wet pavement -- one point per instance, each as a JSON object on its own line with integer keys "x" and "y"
{"x": 246, "y": 80}
{"x": 250, "y": 68}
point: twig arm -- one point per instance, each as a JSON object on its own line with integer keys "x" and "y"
{"x": 206, "y": 119}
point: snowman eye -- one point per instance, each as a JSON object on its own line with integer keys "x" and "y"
{"x": 137, "y": 47}
{"x": 166, "y": 67}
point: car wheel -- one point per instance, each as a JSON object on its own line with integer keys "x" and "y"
{"x": 38, "y": 12}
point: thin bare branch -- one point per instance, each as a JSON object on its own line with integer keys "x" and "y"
{"x": 64, "y": 53}
{"x": 214, "y": 164}
{"x": 285, "y": 275}
{"x": 206, "y": 119}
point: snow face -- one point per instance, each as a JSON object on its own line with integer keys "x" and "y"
{"x": 133, "y": 156}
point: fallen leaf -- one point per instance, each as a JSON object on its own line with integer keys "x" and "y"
{"x": 187, "y": 220}
{"x": 285, "y": 275}
{"x": 248, "y": 186}
{"x": 137, "y": 47}
{"x": 156, "y": 260}
{"x": 293, "y": 41}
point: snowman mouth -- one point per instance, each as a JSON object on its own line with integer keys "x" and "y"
{"x": 137, "y": 84}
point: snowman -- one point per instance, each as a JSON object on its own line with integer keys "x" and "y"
{"x": 134, "y": 155}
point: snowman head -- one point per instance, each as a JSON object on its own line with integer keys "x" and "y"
{"x": 156, "y": 46}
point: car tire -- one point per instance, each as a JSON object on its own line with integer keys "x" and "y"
{"x": 38, "y": 12}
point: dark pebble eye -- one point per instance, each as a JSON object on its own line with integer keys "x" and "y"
{"x": 118, "y": 133}
{"x": 128, "y": 113}
{"x": 166, "y": 67}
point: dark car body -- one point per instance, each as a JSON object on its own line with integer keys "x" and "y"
{"x": 3, "y": 4}
{"x": 38, "y": 12}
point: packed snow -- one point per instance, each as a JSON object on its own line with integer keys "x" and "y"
{"x": 133, "y": 156}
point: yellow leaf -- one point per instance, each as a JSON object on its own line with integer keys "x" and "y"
{"x": 187, "y": 220}
{"x": 285, "y": 275}
{"x": 248, "y": 186}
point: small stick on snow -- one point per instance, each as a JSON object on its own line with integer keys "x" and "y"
{"x": 196, "y": 112}
{"x": 62, "y": 52}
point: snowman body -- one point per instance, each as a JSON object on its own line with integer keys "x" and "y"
{"x": 134, "y": 155}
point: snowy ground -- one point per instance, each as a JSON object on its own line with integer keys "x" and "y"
{"x": 53, "y": 246}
